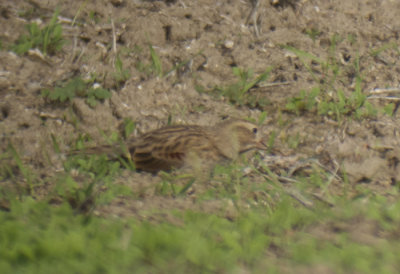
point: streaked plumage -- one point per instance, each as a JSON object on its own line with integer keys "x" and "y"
{"x": 177, "y": 146}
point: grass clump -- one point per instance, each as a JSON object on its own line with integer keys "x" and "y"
{"x": 336, "y": 107}
{"x": 84, "y": 183}
{"x": 325, "y": 98}
{"x": 48, "y": 39}
{"x": 92, "y": 186}
{"x": 39, "y": 238}
{"x": 121, "y": 74}
{"x": 22, "y": 179}
{"x": 154, "y": 67}
{"x": 77, "y": 87}
{"x": 238, "y": 92}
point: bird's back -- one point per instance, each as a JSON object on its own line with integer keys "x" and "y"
{"x": 170, "y": 147}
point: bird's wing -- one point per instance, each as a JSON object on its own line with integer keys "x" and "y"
{"x": 167, "y": 148}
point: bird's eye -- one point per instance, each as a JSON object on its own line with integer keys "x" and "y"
{"x": 255, "y": 130}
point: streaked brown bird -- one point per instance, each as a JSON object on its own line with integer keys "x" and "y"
{"x": 177, "y": 146}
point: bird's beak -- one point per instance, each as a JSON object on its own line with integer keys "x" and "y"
{"x": 261, "y": 145}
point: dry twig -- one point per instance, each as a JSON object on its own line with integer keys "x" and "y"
{"x": 384, "y": 90}
{"x": 253, "y": 16}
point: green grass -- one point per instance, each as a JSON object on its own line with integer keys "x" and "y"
{"x": 121, "y": 74}
{"x": 77, "y": 87}
{"x": 36, "y": 237}
{"x": 238, "y": 92}
{"x": 154, "y": 66}
{"x": 270, "y": 231}
{"x": 48, "y": 39}
{"x": 325, "y": 98}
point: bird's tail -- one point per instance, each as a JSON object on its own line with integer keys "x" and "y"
{"x": 113, "y": 152}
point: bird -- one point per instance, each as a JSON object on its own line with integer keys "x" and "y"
{"x": 176, "y": 146}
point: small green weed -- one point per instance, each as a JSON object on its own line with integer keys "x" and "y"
{"x": 94, "y": 17}
{"x": 313, "y": 33}
{"x": 174, "y": 185}
{"x": 343, "y": 106}
{"x": 326, "y": 99}
{"x": 6, "y": 167}
{"x": 232, "y": 182}
{"x": 156, "y": 62}
{"x": 12, "y": 167}
{"x": 128, "y": 127}
{"x": 77, "y": 87}
{"x": 81, "y": 7}
{"x": 93, "y": 184}
{"x": 81, "y": 141}
{"x": 113, "y": 139}
{"x": 238, "y": 92}
{"x": 262, "y": 117}
{"x": 389, "y": 109}
{"x": 294, "y": 140}
{"x": 87, "y": 180}
{"x": 336, "y": 107}
{"x": 155, "y": 67}
{"x": 121, "y": 74}
{"x": 305, "y": 101}
{"x": 48, "y": 39}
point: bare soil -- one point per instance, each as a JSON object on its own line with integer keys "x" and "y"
{"x": 214, "y": 36}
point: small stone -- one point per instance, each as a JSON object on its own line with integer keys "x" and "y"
{"x": 229, "y": 44}
{"x": 96, "y": 86}
{"x": 289, "y": 54}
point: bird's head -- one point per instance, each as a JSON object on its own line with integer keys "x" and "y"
{"x": 240, "y": 136}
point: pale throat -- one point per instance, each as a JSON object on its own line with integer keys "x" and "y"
{"x": 228, "y": 143}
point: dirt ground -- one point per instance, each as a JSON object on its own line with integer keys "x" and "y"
{"x": 211, "y": 37}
